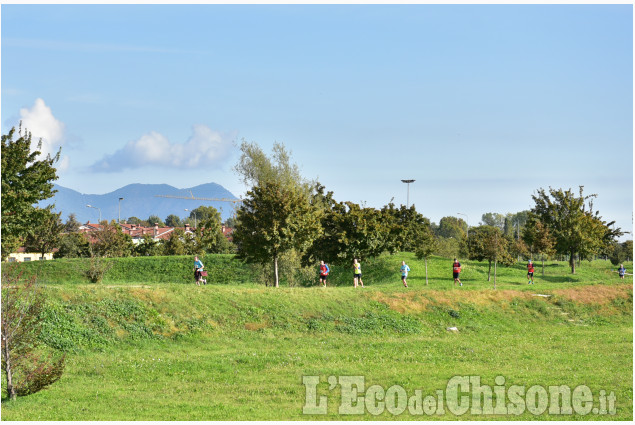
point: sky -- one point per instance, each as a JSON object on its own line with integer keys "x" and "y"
{"x": 481, "y": 105}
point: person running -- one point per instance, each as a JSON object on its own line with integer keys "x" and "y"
{"x": 198, "y": 269}
{"x": 404, "y": 273}
{"x": 357, "y": 273}
{"x": 621, "y": 271}
{"x": 324, "y": 272}
{"x": 530, "y": 273}
{"x": 456, "y": 269}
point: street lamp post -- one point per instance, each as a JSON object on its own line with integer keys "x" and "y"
{"x": 193, "y": 212}
{"x": 408, "y": 181}
{"x": 119, "y": 217}
{"x": 467, "y": 222}
{"x": 90, "y": 206}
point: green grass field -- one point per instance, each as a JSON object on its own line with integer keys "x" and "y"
{"x": 171, "y": 351}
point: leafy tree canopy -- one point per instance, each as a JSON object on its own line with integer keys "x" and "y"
{"x": 575, "y": 228}
{"x": 26, "y": 180}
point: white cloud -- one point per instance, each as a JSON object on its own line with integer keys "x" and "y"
{"x": 205, "y": 148}
{"x": 41, "y": 123}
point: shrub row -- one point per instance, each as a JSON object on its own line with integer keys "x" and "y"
{"x": 222, "y": 268}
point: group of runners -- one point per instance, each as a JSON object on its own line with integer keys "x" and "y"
{"x": 324, "y": 270}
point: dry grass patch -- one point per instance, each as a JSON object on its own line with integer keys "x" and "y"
{"x": 255, "y": 326}
{"x": 418, "y": 301}
{"x": 155, "y": 296}
{"x": 595, "y": 294}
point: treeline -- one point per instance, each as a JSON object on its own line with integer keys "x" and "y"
{"x": 287, "y": 222}
{"x": 111, "y": 241}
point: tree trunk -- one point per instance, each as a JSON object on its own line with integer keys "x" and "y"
{"x": 572, "y": 262}
{"x": 275, "y": 270}
{"x": 489, "y": 272}
{"x": 9, "y": 371}
{"x": 543, "y": 266}
{"x": 426, "y": 262}
{"x": 494, "y": 274}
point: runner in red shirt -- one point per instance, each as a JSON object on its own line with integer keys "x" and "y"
{"x": 324, "y": 272}
{"x": 530, "y": 273}
{"x": 456, "y": 269}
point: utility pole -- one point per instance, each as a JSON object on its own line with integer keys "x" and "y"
{"x": 467, "y": 223}
{"x": 119, "y": 217}
{"x": 408, "y": 181}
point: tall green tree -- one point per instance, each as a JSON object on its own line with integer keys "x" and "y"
{"x": 72, "y": 225}
{"x": 539, "y": 239}
{"x": 452, "y": 227}
{"x": 256, "y": 167}
{"x": 110, "y": 241}
{"x": 407, "y": 227}
{"x": 154, "y": 219}
{"x": 426, "y": 244}
{"x": 204, "y": 213}
{"x": 494, "y": 220}
{"x": 210, "y": 237}
{"x": 173, "y": 220}
{"x": 272, "y": 220}
{"x": 489, "y": 243}
{"x": 26, "y": 180}
{"x": 278, "y": 216}
{"x": 621, "y": 252}
{"x": 575, "y": 228}
{"x": 350, "y": 231}
{"x": 148, "y": 247}
{"x": 175, "y": 244}
{"x": 73, "y": 245}
{"x": 45, "y": 235}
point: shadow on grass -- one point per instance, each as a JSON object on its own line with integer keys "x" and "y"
{"x": 558, "y": 279}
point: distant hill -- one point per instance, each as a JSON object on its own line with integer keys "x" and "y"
{"x": 139, "y": 201}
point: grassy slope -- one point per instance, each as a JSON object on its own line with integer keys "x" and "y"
{"x": 180, "y": 352}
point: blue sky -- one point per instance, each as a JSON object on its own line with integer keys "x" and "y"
{"x": 481, "y": 104}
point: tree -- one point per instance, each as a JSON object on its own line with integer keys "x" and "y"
{"x": 255, "y": 167}
{"x": 175, "y": 245}
{"x": 138, "y": 221}
{"x": 26, "y": 180}
{"x": 72, "y": 225}
{"x": 153, "y": 219}
{"x": 110, "y": 241}
{"x": 494, "y": 220}
{"x": 45, "y": 234}
{"x": 26, "y": 369}
{"x": 621, "y": 252}
{"x": 539, "y": 240}
{"x": 426, "y": 244}
{"x": 350, "y": 231}
{"x": 575, "y": 228}
{"x": 173, "y": 220}
{"x": 406, "y": 225}
{"x": 210, "y": 236}
{"x": 73, "y": 245}
{"x": 272, "y": 220}
{"x": 278, "y": 217}
{"x": 148, "y": 247}
{"x": 452, "y": 227}
{"x": 489, "y": 243}
{"x": 204, "y": 213}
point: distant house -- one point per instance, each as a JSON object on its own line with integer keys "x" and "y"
{"x": 138, "y": 232}
{"x": 21, "y": 256}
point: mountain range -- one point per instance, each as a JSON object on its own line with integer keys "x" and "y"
{"x": 139, "y": 200}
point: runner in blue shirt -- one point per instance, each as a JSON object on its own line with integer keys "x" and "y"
{"x": 621, "y": 271}
{"x": 198, "y": 268}
{"x": 404, "y": 273}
